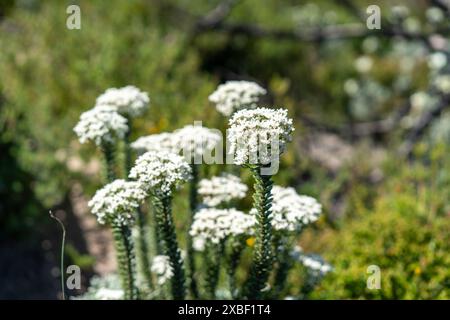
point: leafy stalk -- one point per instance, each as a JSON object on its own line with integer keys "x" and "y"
{"x": 125, "y": 259}
{"x": 193, "y": 200}
{"x": 166, "y": 229}
{"x": 262, "y": 256}
{"x": 109, "y": 158}
{"x": 143, "y": 252}
{"x": 233, "y": 261}
{"x": 284, "y": 264}
{"x": 213, "y": 257}
{"x": 127, "y": 149}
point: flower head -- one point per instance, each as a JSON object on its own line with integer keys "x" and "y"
{"x": 195, "y": 141}
{"x": 160, "y": 172}
{"x": 235, "y": 95}
{"x": 257, "y": 135}
{"x": 214, "y": 225}
{"x": 117, "y": 201}
{"x": 155, "y": 142}
{"x": 128, "y": 101}
{"x": 162, "y": 268}
{"x": 101, "y": 124}
{"x": 291, "y": 211}
{"x": 221, "y": 189}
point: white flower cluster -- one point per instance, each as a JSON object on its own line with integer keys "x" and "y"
{"x": 315, "y": 264}
{"x": 101, "y": 124}
{"x": 162, "y": 268}
{"x": 109, "y": 294}
{"x": 160, "y": 172}
{"x": 195, "y": 141}
{"x": 291, "y": 211}
{"x": 221, "y": 189}
{"x": 128, "y": 101}
{"x": 442, "y": 83}
{"x": 235, "y": 95}
{"x": 154, "y": 142}
{"x": 214, "y": 225}
{"x": 117, "y": 201}
{"x": 254, "y": 133}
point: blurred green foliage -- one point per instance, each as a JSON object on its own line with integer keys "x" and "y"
{"x": 49, "y": 75}
{"x": 406, "y": 235}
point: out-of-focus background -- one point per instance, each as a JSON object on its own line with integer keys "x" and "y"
{"x": 371, "y": 110}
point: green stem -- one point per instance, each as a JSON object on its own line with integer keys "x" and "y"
{"x": 213, "y": 257}
{"x": 109, "y": 158}
{"x": 193, "y": 201}
{"x": 125, "y": 259}
{"x": 284, "y": 264}
{"x": 143, "y": 252}
{"x": 262, "y": 256}
{"x": 127, "y": 149}
{"x": 166, "y": 229}
{"x": 233, "y": 261}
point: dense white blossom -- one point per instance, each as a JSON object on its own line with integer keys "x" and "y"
{"x": 256, "y": 136}
{"x": 117, "y": 201}
{"x": 101, "y": 124}
{"x": 160, "y": 172}
{"x": 221, "y": 189}
{"x": 214, "y": 225}
{"x": 235, "y": 95}
{"x": 128, "y": 101}
{"x": 109, "y": 294}
{"x": 291, "y": 211}
{"x": 155, "y": 142}
{"x": 195, "y": 141}
{"x": 162, "y": 269}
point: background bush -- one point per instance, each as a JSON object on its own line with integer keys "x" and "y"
{"x": 397, "y": 219}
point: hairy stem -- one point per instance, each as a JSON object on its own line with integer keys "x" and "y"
{"x": 125, "y": 259}
{"x": 143, "y": 252}
{"x": 284, "y": 264}
{"x": 193, "y": 201}
{"x": 213, "y": 257}
{"x": 127, "y": 149}
{"x": 232, "y": 264}
{"x": 166, "y": 229}
{"x": 109, "y": 158}
{"x": 262, "y": 256}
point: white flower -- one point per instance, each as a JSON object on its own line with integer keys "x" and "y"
{"x": 258, "y": 135}
{"x": 101, "y": 124}
{"x": 128, "y": 101}
{"x": 235, "y": 95}
{"x": 222, "y": 189}
{"x": 363, "y": 64}
{"x": 160, "y": 172}
{"x": 117, "y": 201}
{"x": 162, "y": 268}
{"x": 155, "y": 142}
{"x": 215, "y": 225}
{"x": 435, "y": 15}
{"x": 291, "y": 211}
{"x": 109, "y": 294}
{"x": 437, "y": 60}
{"x": 195, "y": 141}
{"x": 315, "y": 264}
{"x": 442, "y": 83}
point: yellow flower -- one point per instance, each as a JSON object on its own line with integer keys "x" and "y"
{"x": 417, "y": 271}
{"x": 250, "y": 241}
